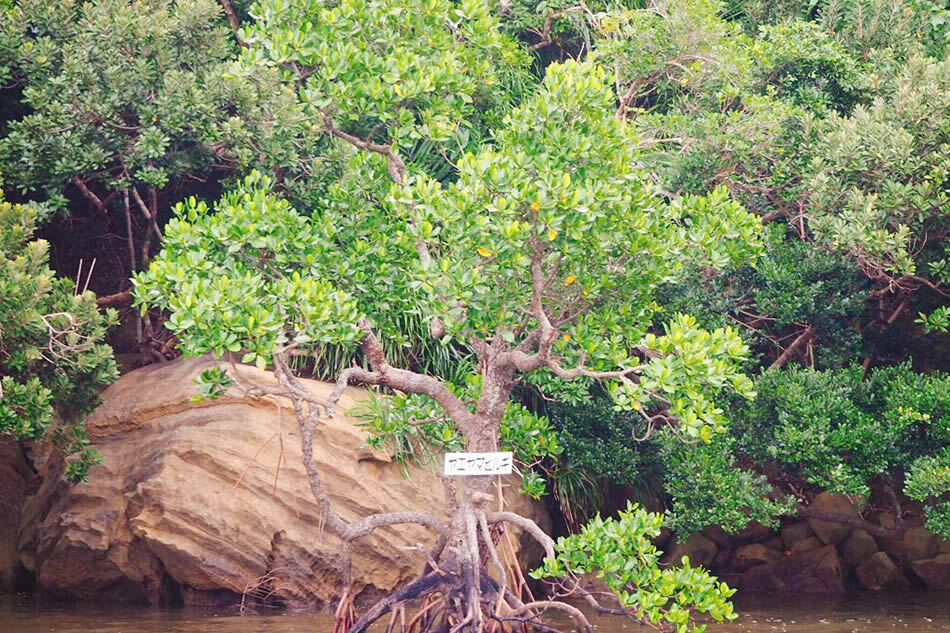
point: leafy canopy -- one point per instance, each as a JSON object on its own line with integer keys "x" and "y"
{"x": 558, "y": 193}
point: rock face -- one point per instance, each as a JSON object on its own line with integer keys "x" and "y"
{"x": 14, "y": 477}
{"x": 795, "y": 532}
{"x": 202, "y": 502}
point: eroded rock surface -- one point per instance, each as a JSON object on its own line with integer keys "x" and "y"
{"x": 202, "y": 502}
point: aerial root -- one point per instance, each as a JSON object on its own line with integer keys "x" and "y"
{"x": 345, "y": 614}
{"x": 445, "y": 607}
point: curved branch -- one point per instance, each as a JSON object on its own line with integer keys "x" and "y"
{"x": 386, "y": 375}
{"x": 527, "y": 525}
{"x": 578, "y": 616}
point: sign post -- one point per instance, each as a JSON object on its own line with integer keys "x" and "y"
{"x": 475, "y": 464}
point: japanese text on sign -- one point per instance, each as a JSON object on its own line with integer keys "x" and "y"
{"x": 478, "y": 463}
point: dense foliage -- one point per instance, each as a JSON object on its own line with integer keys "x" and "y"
{"x": 692, "y": 253}
{"x": 52, "y": 358}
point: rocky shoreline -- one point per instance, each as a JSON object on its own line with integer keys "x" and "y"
{"x": 208, "y": 503}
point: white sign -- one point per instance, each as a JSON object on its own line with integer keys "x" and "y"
{"x": 478, "y": 463}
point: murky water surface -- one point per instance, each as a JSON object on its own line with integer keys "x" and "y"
{"x": 866, "y": 613}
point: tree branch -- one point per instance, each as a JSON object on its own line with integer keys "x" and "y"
{"x": 845, "y": 519}
{"x": 527, "y": 525}
{"x": 89, "y": 195}
{"x": 386, "y": 375}
{"x": 232, "y": 19}
{"x": 792, "y": 349}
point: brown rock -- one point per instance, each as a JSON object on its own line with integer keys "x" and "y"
{"x": 887, "y": 520}
{"x": 858, "y": 547}
{"x": 934, "y": 571}
{"x": 795, "y": 532}
{"x": 944, "y": 547}
{"x": 920, "y": 543}
{"x": 699, "y": 549}
{"x": 879, "y": 571}
{"x": 831, "y": 532}
{"x": 816, "y": 571}
{"x": 717, "y": 535}
{"x": 722, "y": 559}
{"x": 190, "y": 500}
{"x": 806, "y": 545}
{"x": 775, "y": 543}
{"x": 753, "y": 533}
{"x": 748, "y": 556}
{"x": 15, "y": 474}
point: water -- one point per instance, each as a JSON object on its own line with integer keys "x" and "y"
{"x": 865, "y": 613}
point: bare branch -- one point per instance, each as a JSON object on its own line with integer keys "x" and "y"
{"x": 123, "y": 298}
{"x": 88, "y": 193}
{"x": 527, "y": 525}
{"x": 792, "y": 349}
{"x": 578, "y": 616}
{"x": 846, "y": 519}
{"x": 232, "y": 19}
{"x": 386, "y": 375}
{"x": 549, "y": 22}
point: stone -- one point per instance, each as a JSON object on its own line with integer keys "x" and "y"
{"x": 920, "y": 543}
{"x": 753, "y": 533}
{"x": 202, "y": 502}
{"x": 944, "y": 547}
{"x": 806, "y": 545}
{"x": 914, "y": 543}
{"x": 748, "y": 556}
{"x": 795, "y": 532}
{"x": 717, "y": 535}
{"x": 15, "y": 476}
{"x": 831, "y": 532}
{"x": 700, "y": 550}
{"x": 878, "y": 572}
{"x": 819, "y": 571}
{"x": 887, "y": 520}
{"x": 935, "y": 572}
{"x": 858, "y": 547}
{"x": 775, "y": 543}
{"x": 722, "y": 559}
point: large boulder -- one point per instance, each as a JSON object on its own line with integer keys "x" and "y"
{"x": 818, "y": 571}
{"x": 202, "y": 502}
{"x": 879, "y": 571}
{"x": 748, "y": 556}
{"x": 795, "y": 532}
{"x": 832, "y": 532}
{"x": 699, "y": 549}
{"x": 934, "y": 571}
{"x": 916, "y": 543}
{"x": 806, "y": 545}
{"x": 858, "y": 547}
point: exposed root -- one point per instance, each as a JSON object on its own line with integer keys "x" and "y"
{"x": 345, "y": 614}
